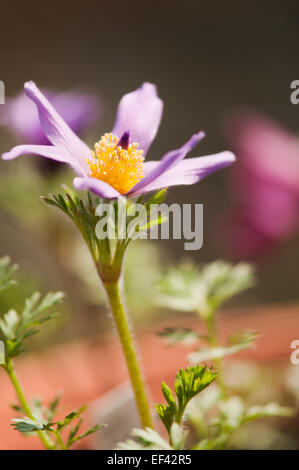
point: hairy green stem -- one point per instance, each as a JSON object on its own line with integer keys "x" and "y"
{"x": 45, "y": 439}
{"x": 112, "y": 290}
{"x": 109, "y": 263}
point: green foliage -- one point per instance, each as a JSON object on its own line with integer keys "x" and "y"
{"x": 83, "y": 214}
{"x": 271, "y": 409}
{"x": 238, "y": 341}
{"x": 44, "y": 420}
{"x": 157, "y": 198}
{"x": 177, "y": 289}
{"x": 186, "y": 288}
{"x": 26, "y": 425}
{"x": 189, "y": 383}
{"x": 177, "y": 436}
{"x": 69, "y": 418}
{"x": 6, "y": 273}
{"x": 73, "y": 437}
{"x": 232, "y": 415}
{"x": 86, "y": 215}
{"x": 185, "y": 336}
{"x": 242, "y": 339}
{"x": 117, "y": 220}
{"x": 213, "y": 416}
{"x": 223, "y": 280}
{"x": 17, "y": 327}
{"x": 146, "y": 439}
{"x": 189, "y": 289}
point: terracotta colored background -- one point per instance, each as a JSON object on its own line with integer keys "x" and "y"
{"x": 85, "y": 372}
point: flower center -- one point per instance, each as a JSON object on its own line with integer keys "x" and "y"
{"x": 117, "y": 162}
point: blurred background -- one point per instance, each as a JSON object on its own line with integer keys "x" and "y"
{"x": 209, "y": 61}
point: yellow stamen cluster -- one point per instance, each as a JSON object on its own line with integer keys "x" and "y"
{"x": 119, "y": 167}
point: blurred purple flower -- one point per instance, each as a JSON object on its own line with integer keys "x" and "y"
{"x": 79, "y": 109}
{"x": 264, "y": 185}
{"x": 116, "y": 165}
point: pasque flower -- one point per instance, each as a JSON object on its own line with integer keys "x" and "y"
{"x": 116, "y": 165}
{"x": 79, "y": 110}
{"x": 264, "y": 185}
{"x": 113, "y": 168}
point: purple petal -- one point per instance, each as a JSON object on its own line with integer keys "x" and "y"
{"x": 189, "y": 171}
{"x": 49, "y": 151}
{"x": 98, "y": 187}
{"x": 266, "y": 198}
{"x": 58, "y": 132}
{"x": 266, "y": 149}
{"x": 139, "y": 113}
{"x": 169, "y": 160}
{"x": 77, "y": 108}
{"x": 26, "y": 128}
{"x": 149, "y": 166}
